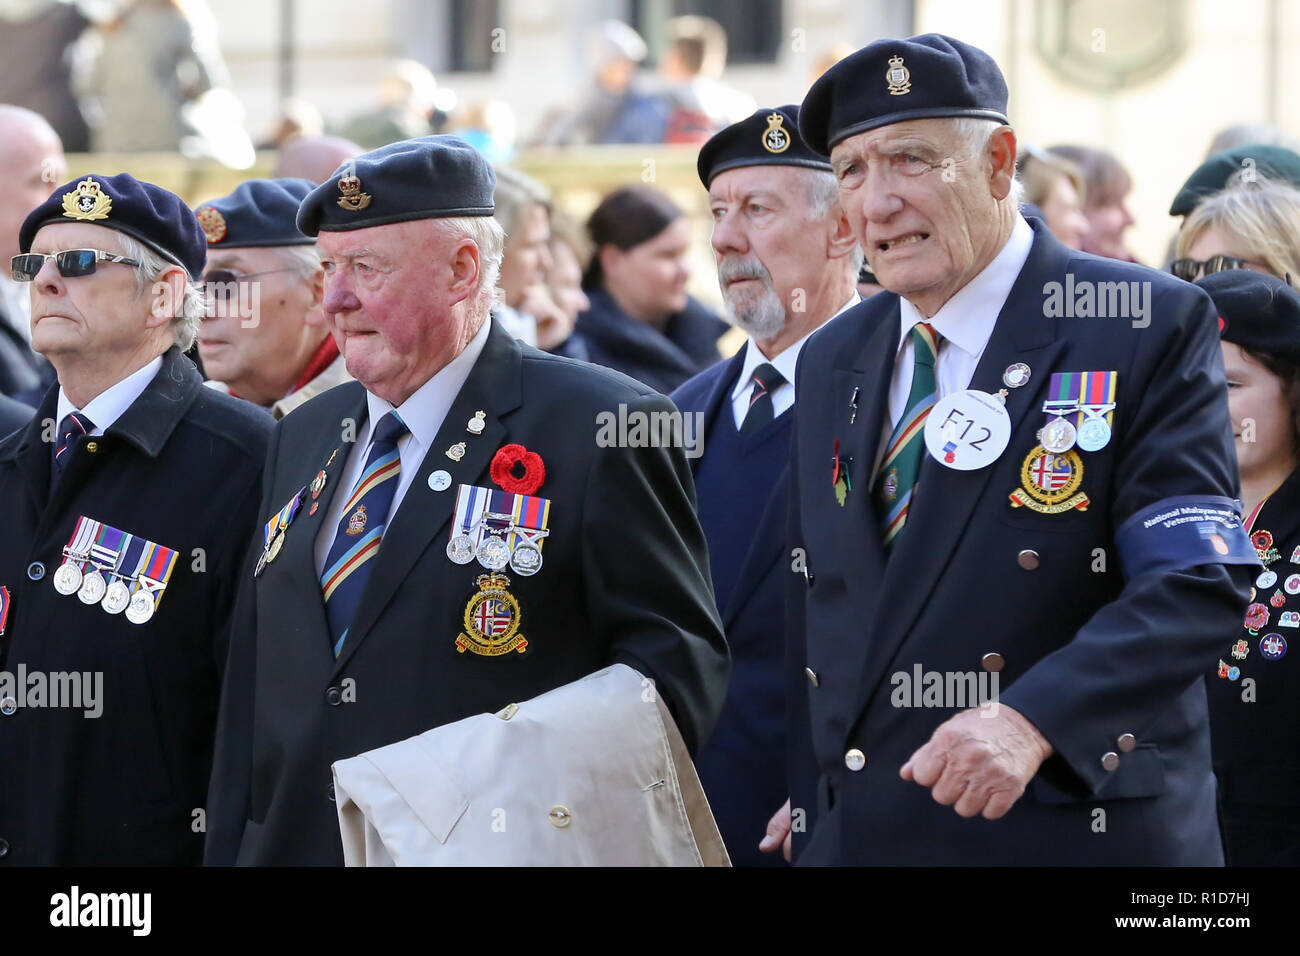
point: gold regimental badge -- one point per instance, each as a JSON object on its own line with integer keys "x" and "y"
{"x": 212, "y": 223}
{"x": 898, "y": 77}
{"x": 776, "y": 138}
{"x": 87, "y": 202}
{"x": 492, "y": 619}
{"x": 1051, "y": 482}
{"x": 353, "y": 198}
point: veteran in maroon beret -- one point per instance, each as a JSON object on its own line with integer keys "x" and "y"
{"x": 130, "y": 497}
{"x": 1015, "y": 530}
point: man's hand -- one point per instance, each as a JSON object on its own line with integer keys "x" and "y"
{"x": 980, "y": 763}
{"x": 778, "y": 832}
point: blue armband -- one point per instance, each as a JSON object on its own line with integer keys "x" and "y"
{"x": 1183, "y": 532}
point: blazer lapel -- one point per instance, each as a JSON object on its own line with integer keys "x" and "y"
{"x": 946, "y": 497}
{"x": 424, "y": 514}
{"x": 330, "y": 455}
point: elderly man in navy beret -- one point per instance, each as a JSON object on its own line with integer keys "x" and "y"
{"x": 264, "y": 336}
{"x": 448, "y": 534}
{"x": 787, "y": 261}
{"x": 129, "y": 500}
{"x": 1014, "y": 529}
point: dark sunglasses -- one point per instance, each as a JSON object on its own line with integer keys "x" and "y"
{"x": 72, "y": 263}
{"x": 1189, "y": 270}
{"x": 221, "y": 282}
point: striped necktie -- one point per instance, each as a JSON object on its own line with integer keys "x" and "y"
{"x": 71, "y": 430}
{"x": 766, "y": 381}
{"x": 361, "y": 528}
{"x": 896, "y": 479}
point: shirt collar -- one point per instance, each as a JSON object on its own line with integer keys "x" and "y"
{"x": 107, "y": 407}
{"x": 785, "y": 361}
{"x": 967, "y": 319}
{"x": 425, "y": 410}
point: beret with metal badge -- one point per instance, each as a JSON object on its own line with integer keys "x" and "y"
{"x": 260, "y": 212}
{"x": 768, "y": 138}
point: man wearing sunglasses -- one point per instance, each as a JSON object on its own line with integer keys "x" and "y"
{"x": 129, "y": 500}
{"x": 264, "y": 336}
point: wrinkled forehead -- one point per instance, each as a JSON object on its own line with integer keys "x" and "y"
{"x": 937, "y": 134}
{"x": 60, "y": 236}
{"x": 740, "y": 181}
{"x": 391, "y": 241}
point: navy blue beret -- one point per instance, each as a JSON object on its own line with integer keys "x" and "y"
{"x": 158, "y": 218}
{"x": 768, "y": 138}
{"x": 430, "y": 177}
{"x": 895, "y": 80}
{"x": 260, "y": 212}
{"x": 1259, "y": 312}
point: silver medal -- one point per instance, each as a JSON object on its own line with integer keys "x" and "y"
{"x": 67, "y": 579}
{"x": 493, "y": 553}
{"x": 141, "y": 607}
{"x": 1094, "y": 434}
{"x": 461, "y": 549}
{"x": 116, "y": 597}
{"x": 1058, "y": 436}
{"x": 92, "y": 588}
{"x": 527, "y": 558}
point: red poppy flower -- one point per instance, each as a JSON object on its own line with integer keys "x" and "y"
{"x": 517, "y": 470}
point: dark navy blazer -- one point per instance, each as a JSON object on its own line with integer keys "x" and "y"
{"x": 741, "y": 484}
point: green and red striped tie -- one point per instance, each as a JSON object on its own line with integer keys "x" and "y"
{"x": 896, "y": 479}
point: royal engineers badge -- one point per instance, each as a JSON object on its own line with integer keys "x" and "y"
{"x": 898, "y": 77}
{"x": 212, "y": 223}
{"x": 776, "y": 139}
{"x": 353, "y": 198}
{"x": 87, "y": 203}
{"x": 1051, "y": 482}
{"x": 492, "y": 619}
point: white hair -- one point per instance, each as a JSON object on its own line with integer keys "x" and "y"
{"x": 186, "y": 319}
{"x": 305, "y": 257}
{"x": 975, "y": 132}
{"x": 487, "y": 234}
{"x": 824, "y": 200}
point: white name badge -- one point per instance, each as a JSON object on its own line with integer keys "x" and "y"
{"x": 967, "y": 430}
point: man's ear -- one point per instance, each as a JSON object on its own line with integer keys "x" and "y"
{"x": 465, "y": 268}
{"x": 1002, "y": 157}
{"x": 317, "y": 287}
{"x": 167, "y": 296}
{"x": 841, "y": 241}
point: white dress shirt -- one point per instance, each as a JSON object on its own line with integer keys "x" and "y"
{"x": 965, "y": 322}
{"x": 107, "y": 407}
{"x": 784, "y": 362}
{"x": 423, "y": 414}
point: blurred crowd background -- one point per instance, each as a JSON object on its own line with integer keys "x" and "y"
{"x": 1115, "y": 104}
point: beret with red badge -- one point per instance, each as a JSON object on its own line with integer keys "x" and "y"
{"x": 1258, "y": 312}
{"x": 260, "y": 212}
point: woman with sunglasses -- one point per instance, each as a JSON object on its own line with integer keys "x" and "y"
{"x": 1254, "y": 684}
{"x": 1252, "y": 225}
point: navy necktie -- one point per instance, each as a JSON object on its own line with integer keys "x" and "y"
{"x": 361, "y": 529}
{"x": 71, "y": 429}
{"x": 766, "y": 381}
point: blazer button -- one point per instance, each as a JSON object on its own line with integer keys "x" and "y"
{"x": 1126, "y": 742}
{"x": 92, "y": 446}
{"x": 4, "y": 848}
{"x": 334, "y": 696}
{"x": 811, "y": 577}
{"x": 1028, "y": 559}
{"x": 992, "y": 661}
{"x": 855, "y": 760}
{"x": 330, "y": 792}
{"x": 812, "y": 677}
{"x": 35, "y": 571}
{"x": 1109, "y": 761}
{"x": 8, "y": 706}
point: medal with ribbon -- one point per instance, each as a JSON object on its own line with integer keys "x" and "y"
{"x": 155, "y": 567}
{"x": 1088, "y": 399}
{"x": 104, "y": 551}
{"x": 273, "y": 531}
{"x": 67, "y": 579}
{"x": 118, "y": 593}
